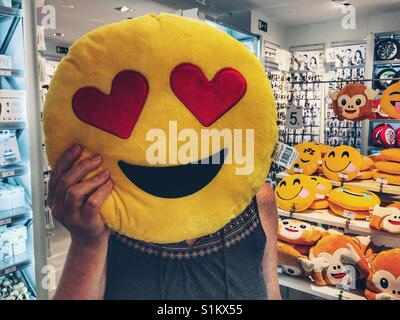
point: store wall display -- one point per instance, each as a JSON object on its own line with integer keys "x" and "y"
{"x": 355, "y": 102}
{"x": 388, "y": 49}
{"x": 383, "y": 282}
{"x": 12, "y": 106}
{"x": 327, "y": 260}
{"x": 383, "y": 135}
{"x": 390, "y": 101}
{"x": 177, "y": 91}
{"x": 295, "y": 193}
{"x": 344, "y": 56}
{"x": 308, "y": 160}
{"x": 386, "y": 219}
{"x": 343, "y": 163}
{"x": 352, "y": 202}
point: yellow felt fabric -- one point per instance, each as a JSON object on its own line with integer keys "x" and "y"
{"x": 367, "y": 163}
{"x": 353, "y": 198}
{"x": 388, "y": 167}
{"x": 390, "y": 178}
{"x": 320, "y": 204}
{"x": 154, "y": 45}
{"x": 348, "y": 213}
{"x": 308, "y": 160}
{"x": 365, "y": 175}
{"x": 390, "y": 155}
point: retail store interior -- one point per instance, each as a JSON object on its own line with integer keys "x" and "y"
{"x": 309, "y": 50}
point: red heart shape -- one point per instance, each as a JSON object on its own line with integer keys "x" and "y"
{"x": 118, "y": 112}
{"x": 207, "y": 100}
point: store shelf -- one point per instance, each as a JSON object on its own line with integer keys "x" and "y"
{"x": 394, "y": 61}
{"x": 386, "y": 120}
{"x": 11, "y": 73}
{"x": 12, "y": 125}
{"x": 331, "y": 293}
{"x": 14, "y": 264}
{"x": 12, "y": 171}
{"x": 370, "y": 185}
{"x": 325, "y": 217}
{"x": 12, "y": 12}
{"x": 15, "y": 215}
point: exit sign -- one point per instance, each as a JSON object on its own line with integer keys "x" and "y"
{"x": 262, "y": 25}
{"x": 62, "y": 50}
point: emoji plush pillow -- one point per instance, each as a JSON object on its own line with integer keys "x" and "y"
{"x": 386, "y": 219}
{"x": 342, "y": 163}
{"x": 182, "y": 115}
{"x": 390, "y": 101}
{"x": 308, "y": 160}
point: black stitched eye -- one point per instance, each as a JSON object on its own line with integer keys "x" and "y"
{"x": 332, "y": 154}
{"x": 343, "y": 102}
{"x": 283, "y": 183}
{"x": 290, "y": 271}
{"x": 384, "y": 283}
{"x": 285, "y": 222}
{"x": 345, "y": 154}
{"x": 303, "y": 226}
{"x": 358, "y": 102}
{"x": 296, "y": 181}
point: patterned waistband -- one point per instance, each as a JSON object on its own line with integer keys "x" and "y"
{"x": 234, "y": 232}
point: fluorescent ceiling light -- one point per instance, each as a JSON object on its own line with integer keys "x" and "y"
{"x": 124, "y": 9}
{"x": 68, "y": 6}
{"x": 58, "y": 34}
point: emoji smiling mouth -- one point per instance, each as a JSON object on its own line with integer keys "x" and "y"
{"x": 396, "y": 223}
{"x": 396, "y": 105}
{"x": 337, "y": 170}
{"x": 290, "y": 198}
{"x": 175, "y": 181}
{"x": 304, "y": 161}
{"x": 338, "y": 275}
{"x": 291, "y": 230}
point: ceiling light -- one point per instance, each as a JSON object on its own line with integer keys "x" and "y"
{"x": 68, "y": 6}
{"x": 202, "y": 2}
{"x": 124, "y": 9}
{"x": 58, "y": 34}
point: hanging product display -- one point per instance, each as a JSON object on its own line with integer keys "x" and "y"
{"x": 390, "y": 101}
{"x": 97, "y": 108}
{"x": 387, "y": 49}
{"x": 355, "y": 102}
{"x": 383, "y": 282}
{"x": 384, "y": 135}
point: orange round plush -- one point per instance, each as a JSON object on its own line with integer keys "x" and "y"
{"x": 390, "y": 101}
{"x": 388, "y": 167}
{"x": 295, "y": 193}
{"x": 352, "y": 198}
{"x": 390, "y": 155}
{"x": 343, "y": 163}
{"x": 389, "y": 178}
{"x": 349, "y": 213}
{"x": 308, "y": 160}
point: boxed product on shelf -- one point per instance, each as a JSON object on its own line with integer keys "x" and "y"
{"x": 6, "y": 3}
{"x": 9, "y": 151}
{"x": 5, "y": 199}
{"x": 5, "y": 62}
{"x": 6, "y": 249}
{"x": 19, "y": 236}
{"x": 17, "y": 194}
{"x": 12, "y": 106}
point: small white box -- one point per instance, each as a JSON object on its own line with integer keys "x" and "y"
{"x": 5, "y": 199}
{"x": 6, "y": 250}
{"x": 12, "y": 106}
{"x": 9, "y": 151}
{"x": 6, "y": 3}
{"x": 18, "y": 239}
{"x": 5, "y": 61}
{"x": 17, "y": 195}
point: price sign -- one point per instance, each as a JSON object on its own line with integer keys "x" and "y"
{"x": 294, "y": 117}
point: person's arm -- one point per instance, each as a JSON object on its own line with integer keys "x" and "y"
{"x": 269, "y": 220}
{"x": 76, "y": 204}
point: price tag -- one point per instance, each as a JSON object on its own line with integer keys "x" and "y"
{"x": 279, "y": 269}
{"x": 381, "y": 180}
{"x": 7, "y": 174}
{"x": 294, "y": 117}
{"x": 319, "y": 196}
{"x": 5, "y": 221}
{"x": 349, "y": 215}
{"x": 10, "y": 270}
{"x": 5, "y": 73}
{"x": 298, "y": 170}
{"x": 284, "y": 155}
{"x": 343, "y": 176}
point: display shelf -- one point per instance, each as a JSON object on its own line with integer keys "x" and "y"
{"x": 386, "y": 120}
{"x": 325, "y": 217}
{"x": 12, "y": 12}
{"x": 12, "y": 125}
{"x": 380, "y": 62}
{"x": 15, "y": 215}
{"x": 370, "y": 185}
{"x": 12, "y": 171}
{"x": 331, "y": 293}
{"x": 11, "y": 73}
{"x": 13, "y": 264}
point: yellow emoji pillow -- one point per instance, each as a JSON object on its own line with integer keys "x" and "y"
{"x": 308, "y": 160}
{"x": 390, "y": 155}
{"x": 351, "y": 202}
{"x": 324, "y": 187}
{"x": 182, "y": 115}
{"x": 388, "y": 167}
{"x": 390, "y": 101}
{"x": 342, "y": 163}
{"x": 295, "y": 193}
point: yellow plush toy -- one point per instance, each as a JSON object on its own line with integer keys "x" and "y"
{"x": 324, "y": 187}
{"x": 295, "y": 193}
{"x": 308, "y": 160}
{"x": 343, "y": 163}
{"x": 390, "y": 101}
{"x": 383, "y": 282}
{"x": 153, "y": 96}
{"x": 387, "y": 178}
{"x": 352, "y": 203}
{"x": 386, "y": 219}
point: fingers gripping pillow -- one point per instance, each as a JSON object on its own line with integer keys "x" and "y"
{"x": 154, "y": 96}
{"x": 342, "y": 163}
{"x": 383, "y": 282}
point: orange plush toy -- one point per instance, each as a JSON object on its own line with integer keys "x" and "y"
{"x": 355, "y": 102}
{"x": 386, "y": 219}
{"x": 330, "y": 258}
{"x": 289, "y": 260}
{"x": 384, "y": 279}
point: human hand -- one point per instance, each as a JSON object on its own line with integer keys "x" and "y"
{"x": 76, "y": 203}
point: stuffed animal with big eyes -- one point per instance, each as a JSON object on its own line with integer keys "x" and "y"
{"x": 355, "y": 102}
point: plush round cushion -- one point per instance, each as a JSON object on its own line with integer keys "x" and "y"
{"x": 349, "y": 213}
{"x": 140, "y": 93}
{"x": 390, "y": 178}
{"x": 390, "y": 101}
{"x": 365, "y": 175}
{"x": 320, "y": 204}
{"x": 323, "y": 148}
{"x": 298, "y": 232}
{"x": 390, "y": 155}
{"x": 324, "y": 186}
{"x": 342, "y": 163}
{"x": 352, "y": 198}
{"x": 388, "y": 167}
{"x": 308, "y": 160}
{"x": 295, "y": 193}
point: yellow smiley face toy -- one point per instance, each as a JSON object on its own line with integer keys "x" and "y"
{"x": 343, "y": 163}
{"x": 155, "y": 96}
{"x": 308, "y": 160}
{"x": 390, "y": 101}
{"x": 324, "y": 187}
{"x": 295, "y": 193}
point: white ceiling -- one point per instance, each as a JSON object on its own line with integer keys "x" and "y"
{"x": 89, "y": 14}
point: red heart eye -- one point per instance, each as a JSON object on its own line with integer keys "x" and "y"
{"x": 118, "y": 112}
{"x": 207, "y": 100}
